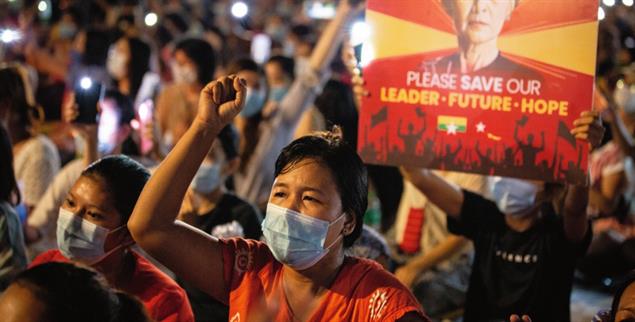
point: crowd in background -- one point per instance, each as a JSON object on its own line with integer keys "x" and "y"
{"x": 85, "y": 226}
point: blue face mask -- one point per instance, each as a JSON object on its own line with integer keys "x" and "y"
{"x": 295, "y": 239}
{"x": 513, "y": 197}
{"x": 254, "y": 102}
{"x": 278, "y": 93}
{"x": 207, "y": 178}
{"x": 81, "y": 240}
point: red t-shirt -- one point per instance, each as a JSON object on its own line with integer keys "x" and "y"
{"x": 164, "y": 300}
{"x": 362, "y": 291}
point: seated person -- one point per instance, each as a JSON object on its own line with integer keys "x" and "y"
{"x": 66, "y": 292}
{"x": 315, "y": 210}
{"x": 209, "y": 206}
{"x": 526, "y": 241}
{"x": 91, "y": 229}
{"x": 108, "y": 137}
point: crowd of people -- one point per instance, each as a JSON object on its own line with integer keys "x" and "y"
{"x": 167, "y": 160}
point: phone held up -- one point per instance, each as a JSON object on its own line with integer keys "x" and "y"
{"x": 87, "y": 94}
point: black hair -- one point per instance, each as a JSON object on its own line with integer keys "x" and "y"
{"x": 123, "y": 177}
{"x": 173, "y": 19}
{"x": 337, "y": 104}
{"x": 139, "y": 63}
{"x": 96, "y": 48}
{"x": 243, "y": 63}
{"x": 203, "y": 56}
{"x": 14, "y": 103}
{"x": 9, "y": 191}
{"x": 125, "y": 21}
{"x": 229, "y": 141}
{"x": 286, "y": 64}
{"x": 304, "y": 33}
{"x": 72, "y": 293}
{"x": 630, "y": 279}
{"x": 346, "y": 168}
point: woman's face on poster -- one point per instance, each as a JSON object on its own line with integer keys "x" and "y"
{"x": 479, "y": 21}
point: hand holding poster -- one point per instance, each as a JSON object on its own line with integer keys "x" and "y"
{"x": 491, "y": 87}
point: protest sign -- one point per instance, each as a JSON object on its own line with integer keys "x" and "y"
{"x": 489, "y": 87}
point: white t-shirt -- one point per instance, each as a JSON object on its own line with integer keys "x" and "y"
{"x": 35, "y": 167}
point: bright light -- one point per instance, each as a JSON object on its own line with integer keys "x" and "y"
{"x": 85, "y": 83}
{"x": 260, "y": 48}
{"x": 360, "y": 32}
{"x": 368, "y": 54}
{"x": 240, "y": 9}
{"x": 9, "y": 35}
{"x": 135, "y": 124}
{"x": 319, "y": 10}
{"x": 627, "y": 2}
{"x": 151, "y": 19}
{"x": 608, "y": 3}
{"x": 601, "y": 13}
{"x": 42, "y": 6}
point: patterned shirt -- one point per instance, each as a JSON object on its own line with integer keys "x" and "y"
{"x": 362, "y": 291}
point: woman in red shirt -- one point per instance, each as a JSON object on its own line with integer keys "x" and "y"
{"x": 315, "y": 210}
{"x": 91, "y": 229}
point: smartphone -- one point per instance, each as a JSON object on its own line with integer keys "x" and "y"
{"x": 146, "y": 111}
{"x": 87, "y": 94}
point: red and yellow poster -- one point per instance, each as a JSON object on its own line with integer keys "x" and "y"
{"x": 490, "y": 87}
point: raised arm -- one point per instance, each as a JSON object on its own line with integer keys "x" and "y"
{"x": 588, "y": 128}
{"x": 333, "y": 34}
{"x": 445, "y": 195}
{"x": 303, "y": 90}
{"x": 188, "y": 252}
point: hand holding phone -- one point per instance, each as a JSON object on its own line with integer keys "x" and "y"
{"x": 87, "y": 132}
{"x": 87, "y": 94}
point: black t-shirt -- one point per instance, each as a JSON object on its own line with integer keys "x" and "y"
{"x": 229, "y": 208}
{"x": 528, "y": 272}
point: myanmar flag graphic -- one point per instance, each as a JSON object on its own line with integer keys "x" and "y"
{"x": 451, "y": 124}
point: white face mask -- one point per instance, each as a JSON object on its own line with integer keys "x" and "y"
{"x": 295, "y": 239}
{"x": 254, "y": 102}
{"x": 116, "y": 64}
{"x": 207, "y": 178}
{"x": 79, "y": 239}
{"x": 513, "y": 197}
{"x": 184, "y": 74}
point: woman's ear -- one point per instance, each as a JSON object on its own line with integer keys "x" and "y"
{"x": 349, "y": 224}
